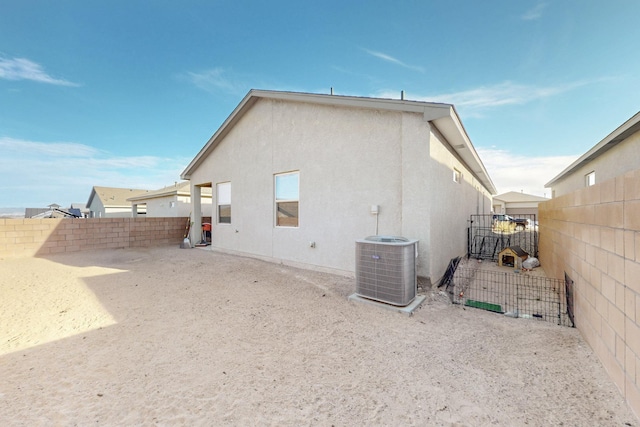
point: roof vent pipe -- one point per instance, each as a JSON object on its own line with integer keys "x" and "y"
{"x": 402, "y": 95}
{"x": 332, "y": 91}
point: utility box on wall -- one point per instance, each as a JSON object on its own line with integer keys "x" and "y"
{"x": 386, "y": 269}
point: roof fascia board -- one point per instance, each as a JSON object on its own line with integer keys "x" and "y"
{"x": 460, "y": 143}
{"x": 623, "y": 131}
{"x": 358, "y": 102}
{"x": 226, "y": 126}
{"x": 93, "y": 193}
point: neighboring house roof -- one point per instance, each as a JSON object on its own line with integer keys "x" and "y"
{"x": 32, "y": 212}
{"x": 114, "y": 197}
{"x": 82, "y": 207}
{"x": 178, "y": 189}
{"x": 442, "y": 116}
{"x": 57, "y": 213}
{"x": 627, "y": 129}
{"x": 515, "y": 197}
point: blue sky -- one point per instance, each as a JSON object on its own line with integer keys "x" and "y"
{"x": 125, "y": 93}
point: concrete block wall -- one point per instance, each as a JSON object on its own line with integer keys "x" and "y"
{"x": 38, "y": 237}
{"x": 593, "y": 234}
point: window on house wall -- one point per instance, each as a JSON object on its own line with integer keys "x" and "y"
{"x": 287, "y": 186}
{"x": 223, "y": 192}
{"x": 457, "y": 176}
{"x": 590, "y": 179}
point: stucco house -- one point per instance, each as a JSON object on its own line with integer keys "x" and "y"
{"x": 109, "y": 202}
{"x": 517, "y": 204}
{"x": 601, "y": 163}
{"x": 297, "y": 178}
{"x": 170, "y": 201}
{"x": 82, "y": 208}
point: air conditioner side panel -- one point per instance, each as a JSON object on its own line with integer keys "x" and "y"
{"x": 386, "y": 273}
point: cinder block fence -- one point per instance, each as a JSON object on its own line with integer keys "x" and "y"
{"x": 592, "y": 237}
{"x": 38, "y": 237}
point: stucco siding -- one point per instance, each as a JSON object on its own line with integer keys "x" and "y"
{"x": 416, "y": 186}
{"x": 96, "y": 208}
{"x": 623, "y": 158}
{"x": 452, "y": 204}
{"x": 348, "y": 159}
{"x": 161, "y": 207}
{"x": 335, "y": 195}
{"x": 118, "y": 212}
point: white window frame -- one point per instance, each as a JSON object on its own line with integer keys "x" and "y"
{"x": 590, "y": 179}
{"x": 292, "y": 195}
{"x": 223, "y": 198}
{"x": 457, "y": 176}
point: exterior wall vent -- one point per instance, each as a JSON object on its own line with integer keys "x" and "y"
{"x": 386, "y": 269}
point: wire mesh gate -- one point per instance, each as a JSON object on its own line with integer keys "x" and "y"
{"x": 512, "y": 294}
{"x": 489, "y": 234}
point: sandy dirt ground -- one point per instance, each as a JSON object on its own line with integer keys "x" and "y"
{"x": 172, "y": 336}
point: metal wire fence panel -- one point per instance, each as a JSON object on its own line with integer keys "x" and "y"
{"x": 488, "y": 235}
{"x": 512, "y": 294}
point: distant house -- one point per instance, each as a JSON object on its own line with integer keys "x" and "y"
{"x": 57, "y": 213}
{"x": 54, "y": 210}
{"x": 171, "y": 201}
{"x": 33, "y": 212}
{"x": 602, "y": 162}
{"x": 40, "y": 212}
{"x": 80, "y": 208}
{"x": 517, "y": 204}
{"x": 298, "y": 178}
{"x": 109, "y": 202}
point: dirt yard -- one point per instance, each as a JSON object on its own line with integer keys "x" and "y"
{"x": 176, "y": 336}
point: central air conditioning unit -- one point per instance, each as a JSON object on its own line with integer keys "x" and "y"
{"x": 386, "y": 269}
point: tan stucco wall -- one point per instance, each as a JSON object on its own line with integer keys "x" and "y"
{"x": 451, "y": 205}
{"x": 593, "y": 235}
{"x": 120, "y": 212}
{"x": 38, "y": 237}
{"x": 161, "y": 206}
{"x": 349, "y": 159}
{"x": 623, "y": 158}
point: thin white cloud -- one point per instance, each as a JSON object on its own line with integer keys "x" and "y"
{"x": 506, "y": 93}
{"x": 391, "y": 59}
{"x": 497, "y": 95}
{"x": 535, "y": 12}
{"x": 216, "y": 80}
{"x": 24, "y": 69}
{"x": 36, "y": 174}
{"x": 65, "y": 149}
{"x": 522, "y": 171}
